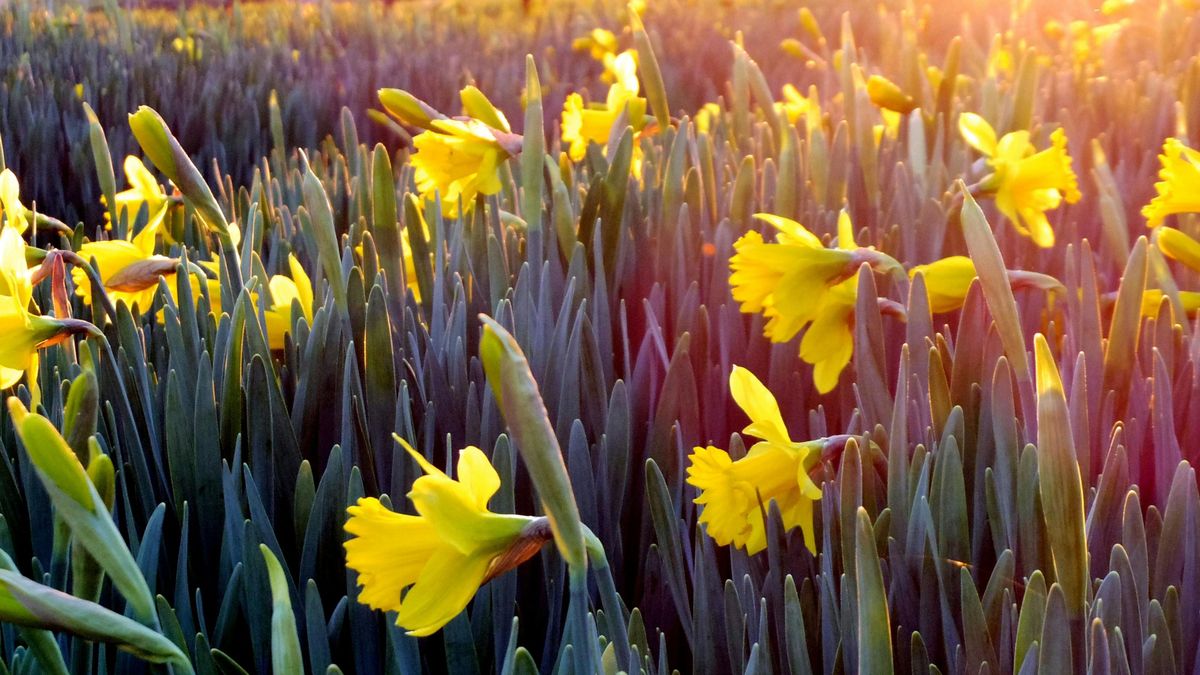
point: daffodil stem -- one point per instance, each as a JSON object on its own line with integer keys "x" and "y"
{"x": 614, "y": 609}
{"x": 583, "y": 648}
{"x": 97, "y": 284}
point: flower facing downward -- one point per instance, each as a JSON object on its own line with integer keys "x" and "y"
{"x": 1179, "y": 183}
{"x": 443, "y": 554}
{"x": 1027, "y": 183}
{"x": 23, "y": 333}
{"x": 734, "y": 494}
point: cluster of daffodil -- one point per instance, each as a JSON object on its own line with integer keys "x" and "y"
{"x": 128, "y": 268}
{"x": 584, "y": 124}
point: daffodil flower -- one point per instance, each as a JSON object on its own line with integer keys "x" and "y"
{"x": 23, "y": 333}
{"x": 15, "y": 277}
{"x": 129, "y": 269}
{"x": 1178, "y": 246}
{"x": 455, "y": 158}
{"x": 443, "y": 554}
{"x": 458, "y": 160}
{"x": 735, "y": 494}
{"x": 15, "y": 214}
{"x": 948, "y": 280}
{"x": 796, "y": 106}
{"x": 598, "y": 42}
{"x": 584, "y": 124}
{"x": 1152, "y": 299}
{"x": 143, "y": 189}
{"x": 1026, "y": 183}
{"x": 1178, "y": 186}
{"x": 284, "y": 291}
{"x": 796, "y": 282}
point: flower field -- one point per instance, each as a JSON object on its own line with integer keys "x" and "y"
{"x": 712, "y": 336}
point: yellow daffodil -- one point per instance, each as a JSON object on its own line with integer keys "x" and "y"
{"x": 1178, "y": 246}
{"x": 786, "y": 280}
{"x": 583, "y": 124}
{"x": 129, "y": 269}
{"x": 1179, "y": 183}
{"x": 457, "y": 160}
{"x": 285, "y": 290}
{"x": 1026, "y": 183}
{"x": 15, "y": 278}
{"x": 1152, "y": 299}
{"x": 15, "y": 214}
{"x": 948, "y": 280}
{"x": 143, "y": 189}
{"x": 16, "y": 294}
{"x": 23, "y": 333}
{"x": 796, "y": 282}
{"x": 597, "y": 42}
{"x": 444, "y": 553}
{"x": 735, "y": 494}
{"x": 796, "y": 106}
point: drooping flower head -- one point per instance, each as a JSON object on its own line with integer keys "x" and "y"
{"x": 443, "y": 554}
{"x": 129, "y": 269}
{"x": 797, "y": 283}
{"x": 1178, "y": 186}
{"x": 455, "y": 159}
{"x": 1026, "y": 183}
{"x": 23, "y": 333}
{"x": 735, "y": 494}
{"x": 948, "y": 280}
